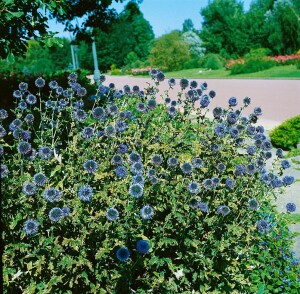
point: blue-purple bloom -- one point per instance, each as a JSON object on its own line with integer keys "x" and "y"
{"x": 285, "y": 164}
{"x": 193, "y": 187}
{"x": 45, "y": 152}
{"x": 31, "y": 227}
{"x": 112, "y": 214}
{"x": 147, "y": 212}
{"x": 229, "y": 183}
{"x": 122, "y": 254}
{"x": 203, "y": 207}
{"x": 223, "y": 210}
{"x": 56, "y": 214}
{"x": 52, "y": 195}
{"x": 232, "y": 101}
{"x": 90, "y": 166}
{"x": 291, "y": 207}
{"x": 142, "y": 246}
{"x": 186, "y": 168}
{"x": 136, "y": 190}
{"x": 24, "y": 147}
{"x": 121, "y": 171}
{"x": 29, "y": 189}
{"x": 87, "y": 132}
{"x": 123, "y": 148}
{"x": 4, "y": 171}
{"x": 40, "y": 179}
{"x": 85, "y": 193}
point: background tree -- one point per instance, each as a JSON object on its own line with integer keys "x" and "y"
{"x": 187, "y": 25}
{"x": 223, "y": 28}
{"x": 195, "y": 44}
{"x": 169, "y": 52}
{"x": 282, "y": 24}
{"x": 22, "y": 20}
{"x": 130, "y": 33}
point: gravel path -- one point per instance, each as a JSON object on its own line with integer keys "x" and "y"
{"x": 279, "y": 100}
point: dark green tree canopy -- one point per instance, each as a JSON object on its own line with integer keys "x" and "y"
{"x": 22, "y": 20}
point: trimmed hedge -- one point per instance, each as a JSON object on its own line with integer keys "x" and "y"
{"x": 287, "y": 135}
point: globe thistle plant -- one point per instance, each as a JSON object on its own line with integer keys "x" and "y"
{"x": 122, "y": 254}
{"x": 142, "y": 246}
{"x": 56, "y": 214}
{"x": 85, "y": 193}
{"x": 112, "y": 214}
{"x": 147, "y": 212}
{"x": 31, "y": 227}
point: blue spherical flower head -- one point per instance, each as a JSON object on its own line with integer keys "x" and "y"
{"x": 267, "y": 155}
{"x": 193, "y": 187}
{"x": 80, "y": 115}
{"x": 66, "y": 210}
{"x": 279, "y": 153}
{"x": 137, "y": 168}
{"x": 85, "y": 193}
{"x": 172, "y": 82}
{"x": 2, "y": 132}
{"x": 17, "y": 94}
{"x": 223, "y": 210}
{"x": 167, "y": 100}
{"x": 122, "y": 254}
{"x": 31, "y": 227}
{"x": 232, "y": 101}
{"x": 160, "y": 76}
{"x": 4, "y": 171}
{"x": 216, "y": 181}
{"x": 247, "y": 101}
{"x": 98, "y": 112}
{"x": 1, "y": 150}
{"x": 229, "y": 183}
{"x": 221, "y": 167}
{"x": 117, "y": 159}
{"x": 135, "y": 89}
{"x": 171, "y": 110}
{"x": 193, "y": 84}
{"x": 232, "y": 117}
{"x": 250, "y": 169}
{"x": 141, "y": 107}
{"x": 253, "y": 204}
{"x": 53, "y": 85}
{"x": 112, "y": 109}
{"x": 23, "y": 86}
{"x": 151, "y": 172}
{"x": 40, "y": 179}
{"x": 239, "y": 170}
{"x": 154, "y": 180}
{"x": 204, "y": 101}
{"x": 257, "y": 111}
{"x": 186, "y": 168}
{"x": 123, "y": 148}
{"x": 29, "y": 189}
{"x": 204, "y": 86}
{"x": 31, "y": 99}
{"x": 266, "y": 145}
{"x": 184, "y": 83}
{"x": 263, "y": 226}
{"x": 207, "y": 184}
{"x": 81, "y": 92}
{"x": 121, "y": 171}
{"x": 15, "y": 124}
{"x": 291, "y": 207}
{"x": 45, "y": 152}
{"x": 134, "y": 157}
{"x": 147, "y": 212}
{"x": 172, "y": 161}
{"x": 3, "y": 114}
{"x": 40, "y": 82}
{"x": 251, "y": 150}
{"x": 136, "y": 190}
{"x": 220, "y": 130}
{"x": 157, "y": 159}
{"x": 203, "y": 207}
{"x": 90, "y": 166}
{"x": 151, "y": 103}
{"x": 173, "y": 103}
{"x": 56, "y": 214}
{"x": 29, "y": 118}
{"x": 112, "y": 214}
{"x": 110, "y": 131}
{"x": 142, "y": 246}
{"x": 24, "y": 148}
{"x": 88, "y": 132}
{"x": 52, "y": 195}
{"x": 288, "y": 180}
{"x": 121, "y": 126}
{"x": 194, "y": 203}
{"x": 217, "y": 112}
{"x": 138, "y": 179}
{"x": 285, "y": 164}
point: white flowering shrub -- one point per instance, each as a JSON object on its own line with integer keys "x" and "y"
{"x": 132, "y": 196}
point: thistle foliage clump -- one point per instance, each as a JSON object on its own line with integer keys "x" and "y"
{"x": 134, "y": 196}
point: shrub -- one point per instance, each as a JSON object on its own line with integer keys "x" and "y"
{"x": 287, "y": 135}
{"x": 212, "y": 61}
{"x": 135, "y": 196}
{"x": 252, "y": 65}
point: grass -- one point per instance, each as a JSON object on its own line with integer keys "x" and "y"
{"x": 277, "y": 72}
{"x": 293, "y": 218}
{"x": 293, "y": 153}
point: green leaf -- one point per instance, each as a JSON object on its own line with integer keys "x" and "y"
{"x": 10, "y": 58}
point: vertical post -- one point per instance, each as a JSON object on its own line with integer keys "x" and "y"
{"x": 73, "y": 57}
{"x": 96, "y": 68}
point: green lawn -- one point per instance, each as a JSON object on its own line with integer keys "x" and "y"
{"x": 280, "y": 72}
